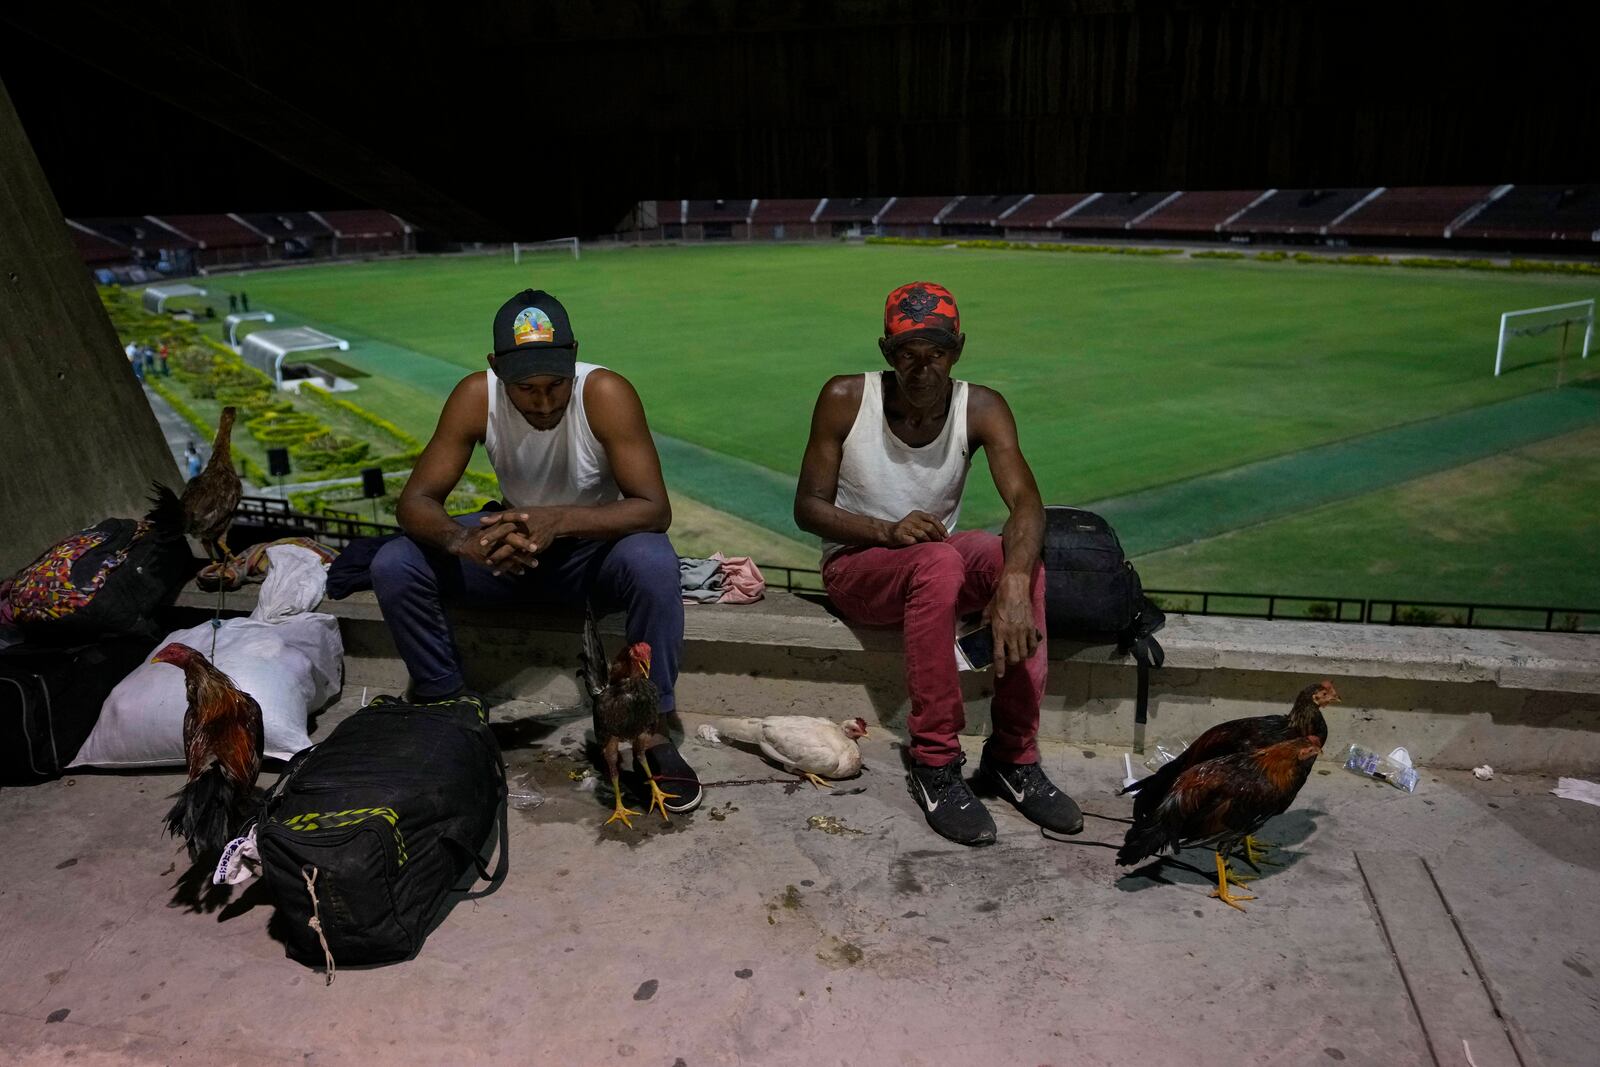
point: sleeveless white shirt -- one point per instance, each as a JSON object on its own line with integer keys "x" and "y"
{"x": 537, "y": 468}
{"x": 882, "y": 477}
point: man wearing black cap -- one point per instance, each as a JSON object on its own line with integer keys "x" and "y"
{"x": 586, "y": 514}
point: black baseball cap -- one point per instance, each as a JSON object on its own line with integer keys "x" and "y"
{"x": 532, "y": 336}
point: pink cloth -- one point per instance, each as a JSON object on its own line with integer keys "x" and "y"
{"x": 742, "y": 581}
{"x": 923, "y": 588}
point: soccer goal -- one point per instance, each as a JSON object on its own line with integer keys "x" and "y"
{"x": 558, "y": 245}
{"x": 1531, "y": 322}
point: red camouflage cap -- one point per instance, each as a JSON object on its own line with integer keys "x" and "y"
{"x": 921, "y": 310}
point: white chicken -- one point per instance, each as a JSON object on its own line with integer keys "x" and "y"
{"x": 814, "y": 748}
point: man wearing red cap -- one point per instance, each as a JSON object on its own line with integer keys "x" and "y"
{"x": 881, "y": 484}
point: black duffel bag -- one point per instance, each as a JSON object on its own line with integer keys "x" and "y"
{"x": 366, "y": 834}
{"x": 50, "y": 699}
{"x": 1093, "y": 594}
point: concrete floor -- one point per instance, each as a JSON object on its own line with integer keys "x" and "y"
{"x": 743, "y": 935}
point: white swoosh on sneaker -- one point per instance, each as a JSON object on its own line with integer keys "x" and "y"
{"x": 1016, "y": 794}
{"x": 932, "y": 804}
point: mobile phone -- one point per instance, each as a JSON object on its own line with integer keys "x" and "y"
{"x": 975, "y": 649}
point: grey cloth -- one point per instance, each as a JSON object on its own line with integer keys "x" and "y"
{"x": 700, "y": 579}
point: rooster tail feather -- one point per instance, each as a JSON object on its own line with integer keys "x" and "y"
{"x": 207, "y": 812}
{"x": 741, "y": 729}
{"x": 1145, "y": 839}
{"x": 592, "y": 657}
{"x": 166, "y": 513}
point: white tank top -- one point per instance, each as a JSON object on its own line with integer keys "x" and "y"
{"x": 882, "y": 477}
{"x": 536, "y": 468}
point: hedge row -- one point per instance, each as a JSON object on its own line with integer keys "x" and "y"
{"x": 1515, "y": 266}
{"x": 316, "y": 394}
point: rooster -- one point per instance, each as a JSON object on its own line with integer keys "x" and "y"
{"x": 627, "y": 707}
{"x": 1220, "y": 802}
{"x": 212, "y": 495}
{"x": 814, "y": 748}
{"x": 222, "y": 744}
{"x": 1238, "y": 735}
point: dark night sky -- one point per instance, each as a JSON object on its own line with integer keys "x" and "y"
{"x": 496, "y": 120}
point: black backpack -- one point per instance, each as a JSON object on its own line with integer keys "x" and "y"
{"x": 1093, "y": 594}
{"x": 50, "y": 699}
{"x": 365, "y": 835}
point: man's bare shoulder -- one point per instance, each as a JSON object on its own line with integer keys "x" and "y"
{"x": 843, "y": 390}
{"x": 466, "y": 413}
{"x": 989, "y": 418}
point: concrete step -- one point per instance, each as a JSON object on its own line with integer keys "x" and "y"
{"x": 1528, "y": 702}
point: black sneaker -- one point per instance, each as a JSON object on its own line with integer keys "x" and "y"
{"x": 674, "y": 775}
{"x": 1030, "y": 792}
{"x": 949, "y": 805}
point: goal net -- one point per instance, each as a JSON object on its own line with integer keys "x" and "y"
{"x": 558, "y": 245}
{"x": 1545, "y": 336}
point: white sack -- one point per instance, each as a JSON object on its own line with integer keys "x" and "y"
{"x": 292, "y": 667}
{"x": 296, "y": 579}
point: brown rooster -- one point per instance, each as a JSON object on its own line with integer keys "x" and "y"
{"x": 1238, "y": 735}
{"x": 626, "y": 708}
{"x": 1220, "y": 802}
{"x": 212, "y": 495}
{"x": 222, "y": 744}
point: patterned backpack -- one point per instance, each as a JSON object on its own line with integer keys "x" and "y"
{"x": 112, "y": 578}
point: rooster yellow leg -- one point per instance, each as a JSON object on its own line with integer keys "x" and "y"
{"x": 1255, "y": 852}
{"x": 816, "y": 781}
{"x": 1221, "y": 892}
{"x": 658, "y": 799}
{"x": 618, "y": 811}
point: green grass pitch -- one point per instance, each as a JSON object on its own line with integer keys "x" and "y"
{"x": 1126, "y": 374}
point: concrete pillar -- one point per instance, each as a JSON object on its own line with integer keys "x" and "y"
{"x": 78, "y": 441}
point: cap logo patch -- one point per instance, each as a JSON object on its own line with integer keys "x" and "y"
{"x": 918, "y": 304}
{"x": 532, "y": 326}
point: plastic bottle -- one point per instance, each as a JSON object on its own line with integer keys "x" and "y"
{"x": 1395, "y": 768}
{"x": 1166, "y": 750}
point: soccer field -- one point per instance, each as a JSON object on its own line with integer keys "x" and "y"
{"x": 1233, "y": 417}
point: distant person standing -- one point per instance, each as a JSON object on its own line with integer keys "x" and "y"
{"x": 233, "y": 302}
{"x": 149, "y": 362}
{"x": 136, "y": 360}
{"x": 192, "y": 464}
{"x": 244, "y": 300}
{"x": 161, "y": 356}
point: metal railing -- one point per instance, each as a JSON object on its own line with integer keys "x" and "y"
{"x": 338, "y": 528}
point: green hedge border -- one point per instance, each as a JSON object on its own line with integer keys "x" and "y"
{"x": 1354, "y": 259}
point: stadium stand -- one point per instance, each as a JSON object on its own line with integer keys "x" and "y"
{"x": 914, "y": 216}
{"x": 295, "y": 234}
{"x": 978, "y": 214}
{"x": 1039, "y": 212}
{"x": 777, "y": 220}
{"x": 363, "y": 232}
{"x": 1113, "y": 211}
{"x": 220, "y": 239}
{"x": 1296, "y": 211}
{"x": 96, "y": 249}
{"x": 714, "y": 219}
{"x": 1412, "y": 212}
{"x": 1202, "y": 211}
{"x": 1538, "y": 213}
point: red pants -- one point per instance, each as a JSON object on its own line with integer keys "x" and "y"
{"x": 924, "y": 588}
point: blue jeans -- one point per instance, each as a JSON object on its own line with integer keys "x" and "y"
{"x": 637, "y": 574}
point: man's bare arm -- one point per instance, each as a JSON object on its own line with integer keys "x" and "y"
{"x": 992, "y": 427}
{"x": 421, "y": 511}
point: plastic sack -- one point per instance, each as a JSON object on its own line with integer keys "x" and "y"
{"x": 292, "y": 666}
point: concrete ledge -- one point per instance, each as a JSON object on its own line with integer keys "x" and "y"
{"x": 1456, "y": 698}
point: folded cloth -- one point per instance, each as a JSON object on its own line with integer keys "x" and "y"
{"x": 742, "y": 581}
{"x": 700, "y": 580}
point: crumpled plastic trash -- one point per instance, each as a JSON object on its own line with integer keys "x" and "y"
{"x": 1578, "y": 789}
{"x": 1395, "y": 768}
{"x": 708, "y": 734}
{"x": 1484, "y": 773}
